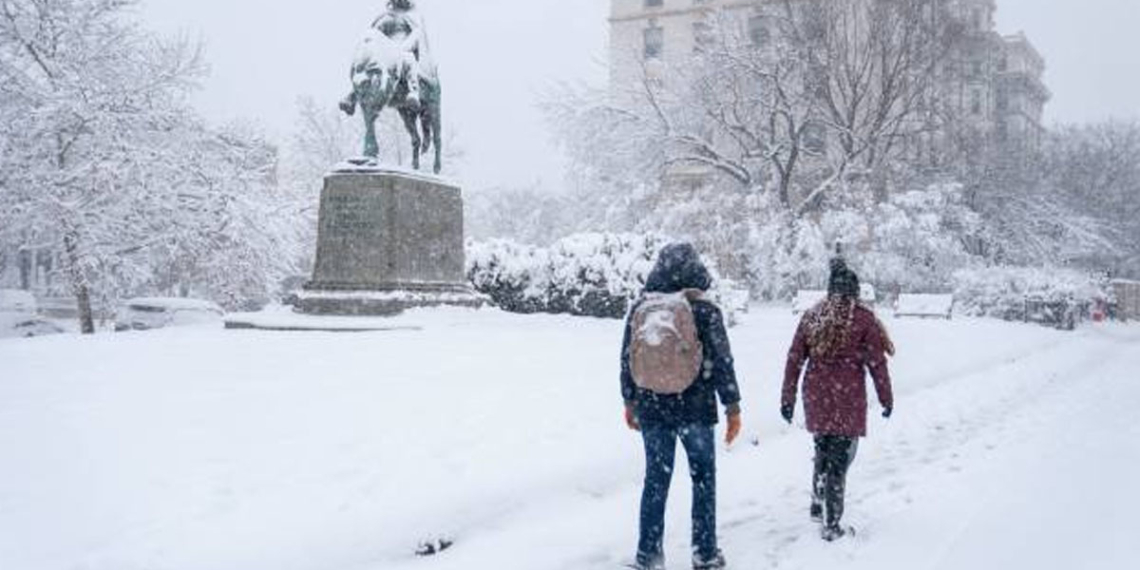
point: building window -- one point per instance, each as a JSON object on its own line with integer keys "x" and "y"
{"x": 976, "y": 68}
{"x": 758, "y": 32}
{"x": 976, "y": 102}
{"x": 654, "y": 42}
{"x": 654, "y": 3}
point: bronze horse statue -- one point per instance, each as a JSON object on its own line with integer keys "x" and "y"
{"x": 380, "y": 78}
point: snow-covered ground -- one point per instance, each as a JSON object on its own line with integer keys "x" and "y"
{"x": 1012, "y": 447}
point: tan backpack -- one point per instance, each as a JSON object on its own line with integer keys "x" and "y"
{"x": 665, "y": 352}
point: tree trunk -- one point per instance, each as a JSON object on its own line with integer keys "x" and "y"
{"x": 79, "y": 286}
{"x": 26, "y": 261}
{"x": 86, "y": 318}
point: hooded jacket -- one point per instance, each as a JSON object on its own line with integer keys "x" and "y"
{"x": 835, "y": 388}
{"x": 679, "y": 268}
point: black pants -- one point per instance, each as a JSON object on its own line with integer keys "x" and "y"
{"x": 833, "y": 456}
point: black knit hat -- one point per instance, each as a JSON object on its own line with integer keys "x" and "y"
{"x": 678, "y": 267}
{"x": 843, "y": 281}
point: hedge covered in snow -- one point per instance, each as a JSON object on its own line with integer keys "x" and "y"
{"x": 592, "y": 274}
{"x": 1003, "y": 292}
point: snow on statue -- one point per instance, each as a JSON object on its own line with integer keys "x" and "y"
{"x": 393, "y": 68}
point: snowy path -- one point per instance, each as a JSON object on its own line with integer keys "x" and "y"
{"x": 1025, "y": 465}
{"x": 1012, "y": 446}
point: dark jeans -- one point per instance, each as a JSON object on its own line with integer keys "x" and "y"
{"x": 660, "y": 452}
{"x": 833, "y": 456}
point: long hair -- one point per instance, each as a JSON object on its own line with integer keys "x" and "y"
{"x": 888, "y": 344}
{"x": 829, "y": 325}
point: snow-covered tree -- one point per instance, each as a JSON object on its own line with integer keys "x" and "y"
{"x": 1096, "y": 169}
{"x": 1027, "y": 200}
{"x": 874, "y": 67}
{"x": 235, "y": 232}
{"x": 829, "y": 88}
{"x": 90, "y": 102}
{"x": 782, "y": 116}
{"x": 105, "y": 165}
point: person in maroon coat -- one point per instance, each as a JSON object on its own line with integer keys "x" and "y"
{"x": 840, "y": 340}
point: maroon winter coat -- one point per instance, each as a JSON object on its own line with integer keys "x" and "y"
{"x": 835, "y": 390}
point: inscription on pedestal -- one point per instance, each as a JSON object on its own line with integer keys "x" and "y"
{"x": 352, "y": 213}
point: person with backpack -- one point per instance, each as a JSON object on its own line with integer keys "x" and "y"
{"x": 675, "y": 362}
{"x": 840, "y": 340}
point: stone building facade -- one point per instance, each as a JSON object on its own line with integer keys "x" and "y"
{"x": 992, "y": 82}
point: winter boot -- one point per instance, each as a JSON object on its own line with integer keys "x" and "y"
{"x": 717, "y": 562}
{"x": 832, "y": 533}
{"x": 646, "y": 562}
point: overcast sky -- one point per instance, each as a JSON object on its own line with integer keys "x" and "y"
{"x": 498, "y": 56}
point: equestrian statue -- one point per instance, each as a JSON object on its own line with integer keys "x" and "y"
{"x": 393, "y": 68}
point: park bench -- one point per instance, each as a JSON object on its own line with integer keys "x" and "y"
{"x": 925, "y": 306}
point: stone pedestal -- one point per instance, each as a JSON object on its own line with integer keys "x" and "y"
{"x": 388, "y": 241}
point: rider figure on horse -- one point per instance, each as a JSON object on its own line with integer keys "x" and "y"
{"x": 402, "y": 24}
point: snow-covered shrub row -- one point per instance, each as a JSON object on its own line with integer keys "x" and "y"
{"x": 1002, "y": 292}
{"x": 918, "y": 241}
{"x": 585, "y": 274}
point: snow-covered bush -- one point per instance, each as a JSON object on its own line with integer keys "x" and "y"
{"x": 912, "y": 242}
{"x": 1003, "y": 292}
{"x": 917, "y": 240}
{"x": 586, "y": 274}
{"x": 512, "y": 274}
{"x": 786, "y": 254}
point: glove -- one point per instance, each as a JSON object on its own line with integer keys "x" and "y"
{"x": 887, "y": 412}
{"x": 788, "y": 411}
{"x": 632, "y": 418}
{"x": 733, "y": 431}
